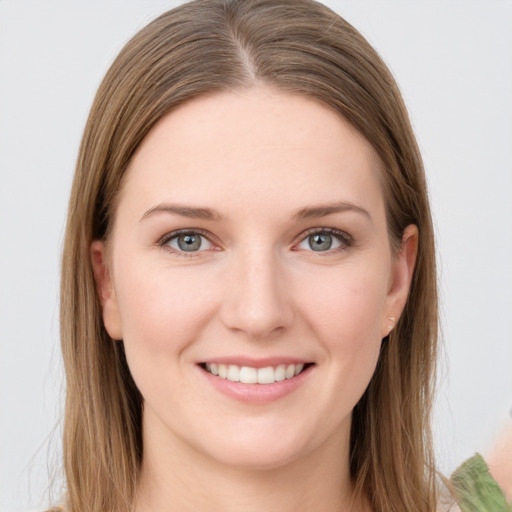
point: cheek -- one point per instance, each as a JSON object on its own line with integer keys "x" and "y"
{"x": 345, "y": 311}
{"x": 346, "y": 305}
{"x": 162, "y": 310}
{"x": 162, "y": 313}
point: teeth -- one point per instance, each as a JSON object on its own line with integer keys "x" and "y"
{"x": 266, "y": 375}
{"x": 280, "y": 373}
{"x": 233, "y": 373}
{"x": 249, "y": 375}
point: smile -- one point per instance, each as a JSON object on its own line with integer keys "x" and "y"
{"x": 250, "y": 375}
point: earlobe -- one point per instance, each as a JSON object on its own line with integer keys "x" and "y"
{"x": 403, "y": 269}
{"x": 105, "y": 289}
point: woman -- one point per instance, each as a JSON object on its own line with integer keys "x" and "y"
{"x": 249, "y": 310}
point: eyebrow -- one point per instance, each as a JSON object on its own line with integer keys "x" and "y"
{"x": 308, "y": 212}
{"x": 314, "y": 212}
{"x": 184, "y": 211}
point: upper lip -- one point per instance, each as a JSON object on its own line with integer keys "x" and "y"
{"x": 256, "y": 363}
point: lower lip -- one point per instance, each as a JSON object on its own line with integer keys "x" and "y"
{"x": 257, "y": 393}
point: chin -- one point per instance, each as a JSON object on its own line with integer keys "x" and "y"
{"x": 259, "y": 449}
{"x": 257, "y": 458}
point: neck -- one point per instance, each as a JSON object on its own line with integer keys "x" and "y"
{"x": 175, "y": 477}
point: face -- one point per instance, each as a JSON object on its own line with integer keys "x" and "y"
{"x": 250, "y": 277}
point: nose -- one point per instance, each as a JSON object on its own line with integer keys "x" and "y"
{"x": 258, "y": 299}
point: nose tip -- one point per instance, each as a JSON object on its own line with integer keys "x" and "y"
{"x": 258, "y": 303}
{"x": 256, "y": 325}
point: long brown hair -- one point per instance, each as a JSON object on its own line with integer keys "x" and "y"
{"x": 200, "y": 48}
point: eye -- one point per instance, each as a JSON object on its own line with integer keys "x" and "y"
{"x": 325, "y": 240}
{"x": 187, "y": 241}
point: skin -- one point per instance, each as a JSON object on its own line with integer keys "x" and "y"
{"x": 500, "y": 460}
{"x": 255, "y": 288}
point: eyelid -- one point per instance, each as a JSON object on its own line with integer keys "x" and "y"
{"x": 165, "y": 239}
{"x": 343, "y": 237}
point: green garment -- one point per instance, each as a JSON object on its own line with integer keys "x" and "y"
{"x": 476, "y": 490}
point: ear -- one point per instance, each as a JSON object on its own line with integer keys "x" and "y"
{"x": 105, "y": 289}
{"x": 402, "y": 271}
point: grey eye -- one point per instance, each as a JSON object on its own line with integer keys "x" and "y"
{"x": 323, "y": 241}
{"x": 320, "y": 242}
{"x": 189, "y": 242}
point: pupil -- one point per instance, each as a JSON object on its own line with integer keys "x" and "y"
{"x": 320, "y": 242}
{"x": 189, "y": 242}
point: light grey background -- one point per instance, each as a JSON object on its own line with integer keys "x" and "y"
{"x": 453, "y": 61}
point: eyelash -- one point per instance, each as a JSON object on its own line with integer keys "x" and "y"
{"x": 342, "y": 237}
{"x": 175, "y": 234}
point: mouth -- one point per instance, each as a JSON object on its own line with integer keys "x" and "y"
{"x": 252, "y": 375}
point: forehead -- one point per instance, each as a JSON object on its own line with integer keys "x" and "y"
{"x": 250, "y": 144}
